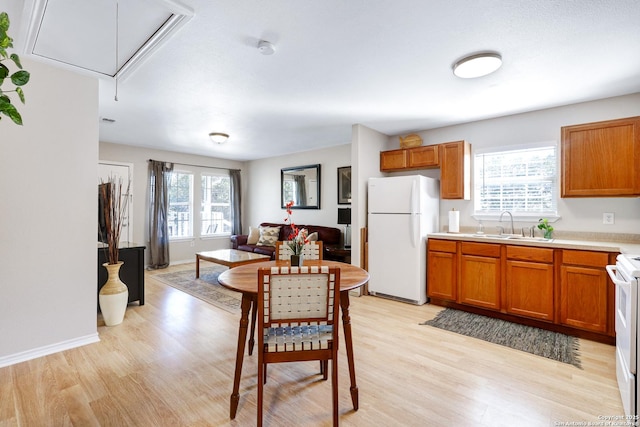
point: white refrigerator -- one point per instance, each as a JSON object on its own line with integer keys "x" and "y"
{"x": 402, "y": 211}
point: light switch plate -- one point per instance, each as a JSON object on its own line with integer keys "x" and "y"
{"x": 608, "y": 218}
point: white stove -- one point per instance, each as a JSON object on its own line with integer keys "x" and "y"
{"x": 631, "y": 264}
{"x": 626, "y": 277}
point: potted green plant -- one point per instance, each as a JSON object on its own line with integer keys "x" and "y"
{"x": 543, "y": 224}
{"x": 17, "y": 78}
{"x": 114, "y": 295}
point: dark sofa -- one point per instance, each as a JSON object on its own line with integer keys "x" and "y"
{"x": 329, "y": 236}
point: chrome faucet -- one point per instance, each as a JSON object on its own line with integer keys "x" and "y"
{"x": 507, "y": 212}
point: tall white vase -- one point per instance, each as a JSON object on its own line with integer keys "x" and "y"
{"x": 114, "y": 296}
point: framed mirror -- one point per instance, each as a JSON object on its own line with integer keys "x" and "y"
{"x": 300, "y": 184}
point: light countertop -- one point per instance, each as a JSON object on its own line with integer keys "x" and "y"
{"x": 624, "y": 244}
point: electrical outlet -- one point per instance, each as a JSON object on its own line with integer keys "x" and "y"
{"x": 608, "y": 218}
{"x": 194, "y": 243}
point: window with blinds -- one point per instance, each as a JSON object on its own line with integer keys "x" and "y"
{"x": 215, "y": 205}
{"x": 180, "y": 206}
{"x": 522, "y": 181}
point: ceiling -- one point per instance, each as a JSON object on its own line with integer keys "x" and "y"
{"x": 383, "y": 64}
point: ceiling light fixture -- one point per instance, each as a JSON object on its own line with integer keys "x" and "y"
{"x": 266, "y": 48}
{"x": 477, "y": 65}
{"x": 218, "y": 138}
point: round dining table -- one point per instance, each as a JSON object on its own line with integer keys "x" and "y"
{"x": 244, "y": 279}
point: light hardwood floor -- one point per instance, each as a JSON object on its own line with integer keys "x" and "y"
{"x": 171, "y": 364}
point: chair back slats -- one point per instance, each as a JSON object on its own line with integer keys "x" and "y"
{"x": 311, "y": 250}
{"x": 302, "y": 296}
{"x": 297, "y": 306}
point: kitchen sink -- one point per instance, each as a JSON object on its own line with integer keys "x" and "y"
{"x": 511, "y": 237}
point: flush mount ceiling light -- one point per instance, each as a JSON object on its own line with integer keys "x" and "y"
{"x": 266, "y": 48}
{"x": 477, "y": 65}
{"x": 218, "y": 138}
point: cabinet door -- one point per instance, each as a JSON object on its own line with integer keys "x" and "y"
{"x": 423, "y": 157}
{"x": 530, "y": 289}
{"x": 583, "y": 298}
{"x": 601, "y": 159}
{"x": 479, "y": 281}
{"x": 393, "y": 160}
{"x": 455, "y": 170}
{"x": 442, "y": 278}
{"x": 131, "y": 272}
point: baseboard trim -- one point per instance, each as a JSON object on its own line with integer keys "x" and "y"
{"x": 12, "y": 359}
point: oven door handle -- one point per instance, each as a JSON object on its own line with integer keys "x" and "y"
{"x": 612, "y": 270}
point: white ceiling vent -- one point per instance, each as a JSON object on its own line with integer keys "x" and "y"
{"x": 82, "y": 34}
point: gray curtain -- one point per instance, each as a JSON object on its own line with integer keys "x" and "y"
{"x": 158, "y": 211}
{"x": 301, "y": 190}
{"x": 236, "y": 201}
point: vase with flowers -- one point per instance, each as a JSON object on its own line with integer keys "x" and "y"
{"x": 114, "y": 295}
{"x": 297, "y": 238}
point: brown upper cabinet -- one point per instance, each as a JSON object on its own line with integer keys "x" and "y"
{"x": 455, "y": 170}
{"x": 394, "y": 160}
{"x": 601, "y": 159}
{"x": 423, "y": 157}
{"x": 453, "y": 158}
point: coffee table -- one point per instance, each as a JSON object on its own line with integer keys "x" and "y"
{"x": 229, "y": 257}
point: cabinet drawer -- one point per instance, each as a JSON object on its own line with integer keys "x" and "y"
{"x": 442, "y": 245}
{"x": 481, "y": 249}
{"x": 586, "y": 258}
{"x": 423, "y": 156}
{"x": 524, "y": 253}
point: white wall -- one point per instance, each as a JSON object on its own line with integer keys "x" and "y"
{"x": 48, "y": 288}
{"x": 179, "y": 251}
{"x": 263, "y": 187}
{"x": 366, "y": 145}
{"x": 578, "y": 214}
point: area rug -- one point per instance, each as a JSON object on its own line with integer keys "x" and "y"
{"x": 552, "y": 345}
{"x": 206, "y": 287}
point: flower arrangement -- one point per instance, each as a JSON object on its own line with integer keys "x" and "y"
{"x": 115, "y": 201}
{"x": 298, "y": 237}
{"x": 543, "y": 224}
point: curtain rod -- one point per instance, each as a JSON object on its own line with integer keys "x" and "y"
{"x": 197, "y": 166}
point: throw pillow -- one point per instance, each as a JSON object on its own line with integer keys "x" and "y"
{"x": 254, "y": 236}
{"x": 268, "y": 236}
{"x": 313, "y": 237}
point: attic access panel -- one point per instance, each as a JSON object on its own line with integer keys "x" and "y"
{"x": 82, "y": 34}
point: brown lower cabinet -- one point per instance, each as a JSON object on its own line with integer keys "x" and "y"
{"x": 529, "y": 282}
{"x": 480, "y": 282}
{"x": 584, "y": 291}
{"x": 557, "y": 289}
{"x": 442, "y": 274}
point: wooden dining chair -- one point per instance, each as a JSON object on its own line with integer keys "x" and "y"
{"x": 311, "y": 250}
{"x": 298, "y": 321}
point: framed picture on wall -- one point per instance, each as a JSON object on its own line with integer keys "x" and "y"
{"x": 344, "y": 185}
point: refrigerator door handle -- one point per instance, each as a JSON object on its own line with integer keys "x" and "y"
{"x": 414, "y": 214}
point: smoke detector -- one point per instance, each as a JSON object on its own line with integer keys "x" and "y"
{"x": 266, "y": 48}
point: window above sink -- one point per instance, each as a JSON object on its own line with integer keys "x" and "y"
{"x": 522, "y": 180}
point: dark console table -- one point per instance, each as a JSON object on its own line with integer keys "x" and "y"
{"x": 337, "y": 253}
{"x": 131, "y": 272}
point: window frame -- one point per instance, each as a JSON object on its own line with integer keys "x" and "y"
{"x": 201, "y": 233}
{"x": 191, "y": 174}
{"x": 552, "y": 215}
